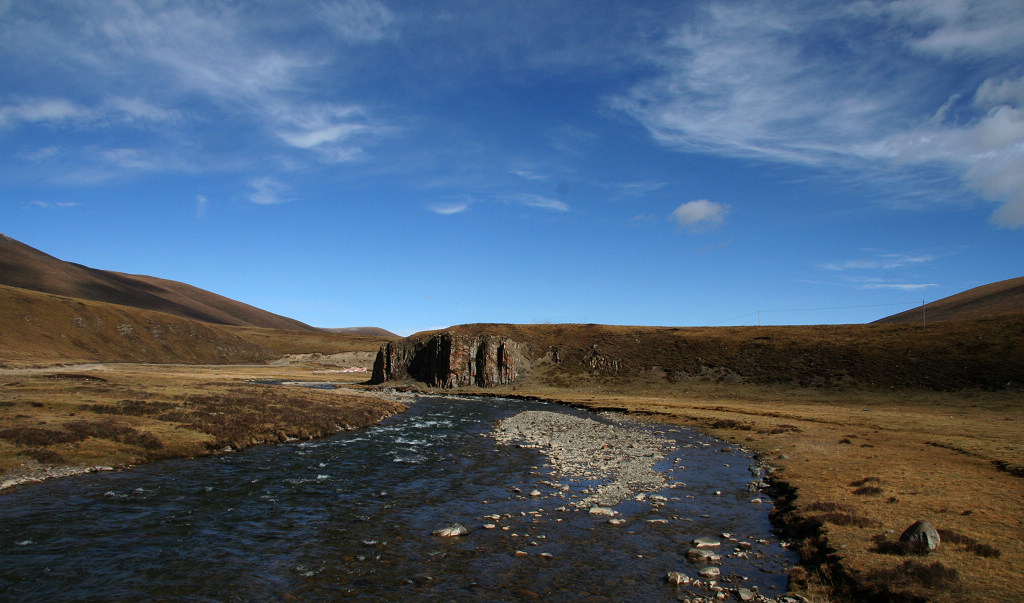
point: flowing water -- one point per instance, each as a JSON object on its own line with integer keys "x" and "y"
{"x": 352, "y": 516}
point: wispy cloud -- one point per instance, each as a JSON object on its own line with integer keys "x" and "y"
{"x": 268, "y": 191}
{"x": 46, "y": 204}
{"x": 201, "y": 202}
{"x": 699, "y": 214}
{"x": 357, "y": 21}
{"x": 899, "y": 286}
{"x": 448, "y": 209}
{"x": 42, "y": 110}
{"x": 754, "y": 80}
{"x": 542, "y": 202}
{"x": 887, "y": 261}
{"x": 205, "y": 62}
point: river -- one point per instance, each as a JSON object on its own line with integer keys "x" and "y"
{"x": 353, "y": 516}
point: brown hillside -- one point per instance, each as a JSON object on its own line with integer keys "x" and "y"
{"x": 28, "y": 268}
{"x": 1004, "y": 298}
{"x": 366, "y": 331}
{"x": 43, "y": 328}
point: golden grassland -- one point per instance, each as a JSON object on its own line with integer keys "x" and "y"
{"x": 124, "y": 414}
{"x": 857, "y": 462}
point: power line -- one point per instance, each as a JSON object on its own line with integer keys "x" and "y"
{"x": 760, "y": 312}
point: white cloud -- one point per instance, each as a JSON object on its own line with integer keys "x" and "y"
{"x": 541, "y": 202}
{"x": 130, "y": 159}
{"x": 58, "y": 204}
{"x": 268, "y": 191}
{"x": 959, "y": 27}
{"x": 755, "y": 80}
{"x": 899, "y": 286}
{"x": 528, "y": 174}
{"x": 887, "y": 261}
{"x": 251, "y": 65}
{"x": 132, "y": 109}
{"x": 357, "y": 20}
{"x": 201, "y": 203}
{"x": 700, "y": 213}
{"x": 43, "y": 154}
{"x": 447, "y": 209}
{"x": 43, "y": 110}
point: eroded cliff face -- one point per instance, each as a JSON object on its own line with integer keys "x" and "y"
{"x": 451, "y": 360}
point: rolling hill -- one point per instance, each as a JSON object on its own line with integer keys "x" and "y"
{"x": 1003, "y": 298}
{"x": 42, "y": 328}
{"x": 28, "y": 268}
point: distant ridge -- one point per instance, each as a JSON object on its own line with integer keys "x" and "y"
{"x": 999, "y": 299}
{"x": 371, "y": 331}
{"x": 28, "y": 268}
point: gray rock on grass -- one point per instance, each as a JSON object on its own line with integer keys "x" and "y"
{"x": 921, "y": 537}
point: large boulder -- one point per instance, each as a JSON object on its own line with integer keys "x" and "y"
{"x": 921, "y": 537}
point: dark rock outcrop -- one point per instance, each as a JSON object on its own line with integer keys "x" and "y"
{"x": 450, "y": 360}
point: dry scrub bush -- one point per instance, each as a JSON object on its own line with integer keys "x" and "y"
{"x": 932, "y": 575}
{"x": 77, "y": 431}
{"x": 970, "y": 544}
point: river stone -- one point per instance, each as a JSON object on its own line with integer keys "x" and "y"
{"x": 456, "y": 529}
{"x": 921, "y": 537}
{"x": 706, "y": 542}
{"x": 710, "y": 572}
{"x": 677, "y": 578}
{"x": 602, "y": 511}
{"x": 703, "y": 556}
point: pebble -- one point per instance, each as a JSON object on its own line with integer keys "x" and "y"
{"x": 706, "y": 542}
{"x": 453, "y": 530}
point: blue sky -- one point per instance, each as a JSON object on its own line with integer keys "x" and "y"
{"x": 415, "y": 165}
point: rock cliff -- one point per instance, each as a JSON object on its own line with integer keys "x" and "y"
{"x": 450, "y": 360}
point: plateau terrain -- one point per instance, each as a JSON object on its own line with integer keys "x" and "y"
{"x": 868, "y": 428}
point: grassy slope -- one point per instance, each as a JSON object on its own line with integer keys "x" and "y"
{"x": 41, "y": 328}
{"x": 1004, "y": 298}
{"x": 27, "y": 268}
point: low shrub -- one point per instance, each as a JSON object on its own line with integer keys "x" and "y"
{"x": 969, "y": 544}
{"x": 934, "y": 575}
{"x": 866, "y": 480}
{"x": 38, "y": 436}
{"x": 44, "y": 455}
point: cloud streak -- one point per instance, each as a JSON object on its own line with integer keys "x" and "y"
{"x": 752, "y": 80}
{"x": 541, "y": 202}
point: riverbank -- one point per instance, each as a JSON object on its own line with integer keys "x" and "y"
{"x": 62, "y": 421}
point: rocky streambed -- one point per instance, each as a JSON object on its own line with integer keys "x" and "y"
{"x": 613, "y": 460}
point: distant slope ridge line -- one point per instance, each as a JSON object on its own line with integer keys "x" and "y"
{"x": 27, "y": 268}
{"x": 1002, "y": 298}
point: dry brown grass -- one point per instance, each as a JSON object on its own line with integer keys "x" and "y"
{"x": 122, "y": 414}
